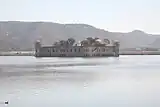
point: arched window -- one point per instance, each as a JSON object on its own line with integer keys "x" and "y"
{"x": 103, "y": 50}
{"x": 87, "y": 50}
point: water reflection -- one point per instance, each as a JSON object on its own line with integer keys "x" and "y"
{"x": 128, "y": 81}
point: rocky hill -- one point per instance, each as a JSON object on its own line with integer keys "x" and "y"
{"x": 16, "y": 35}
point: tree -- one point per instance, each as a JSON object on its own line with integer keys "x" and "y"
{"x": 56, "y": 44}
{"x": 84, "y": 42}
{"x": 71, "y": 41}
{"x": 106, "y": 41}
{"x": 62, "y": 42}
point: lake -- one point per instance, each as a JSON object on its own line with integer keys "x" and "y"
{"x": 127, "y": 81}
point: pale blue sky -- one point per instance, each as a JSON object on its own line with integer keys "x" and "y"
{"x": 111, "y": 15}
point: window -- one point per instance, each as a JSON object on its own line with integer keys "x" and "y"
{"x": 79, "y": 49}
{"x": 62, "y": 55}
{"x": 103, "y": 50}
{"x": 75, "y": 50}
{"x": 62, "y": 50}
{"x": 71, "y": 50}
{"x": 53, "y": 50}
{"x": 87, "y": 50}
{"x": 107, "y": 49}
{"x": 85, "y": 54}
{"x": 98, "y": 50}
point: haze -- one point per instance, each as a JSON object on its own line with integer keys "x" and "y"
{"x": 111, "y": 15}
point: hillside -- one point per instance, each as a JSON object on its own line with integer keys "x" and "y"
{"x": 22, "y": 35}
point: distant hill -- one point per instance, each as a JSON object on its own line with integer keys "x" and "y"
{"x": 16, "y": 35}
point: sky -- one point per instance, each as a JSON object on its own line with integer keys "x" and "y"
{"x": 111, "y": 15}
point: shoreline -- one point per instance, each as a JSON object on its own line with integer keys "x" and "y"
{"x": 21, "y": 53}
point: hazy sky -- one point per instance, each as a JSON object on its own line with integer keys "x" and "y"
{"x": 111, "y": 15}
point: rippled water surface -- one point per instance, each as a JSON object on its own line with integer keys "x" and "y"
{"x": 127, "y": 81}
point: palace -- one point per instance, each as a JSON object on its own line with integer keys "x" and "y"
{"x": 90, "y": 47}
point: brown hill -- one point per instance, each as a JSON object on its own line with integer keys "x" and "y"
{"x": 16, "y": 35}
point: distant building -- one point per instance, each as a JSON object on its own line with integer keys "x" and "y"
{"x": 90, "y": 47}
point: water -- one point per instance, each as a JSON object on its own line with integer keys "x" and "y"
{"x": 127, "y": 81}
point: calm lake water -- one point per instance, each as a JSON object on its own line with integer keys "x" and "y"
{"x": 127, "y": 81}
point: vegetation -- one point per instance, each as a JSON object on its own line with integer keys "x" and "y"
{"x": 67, "y": 43}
